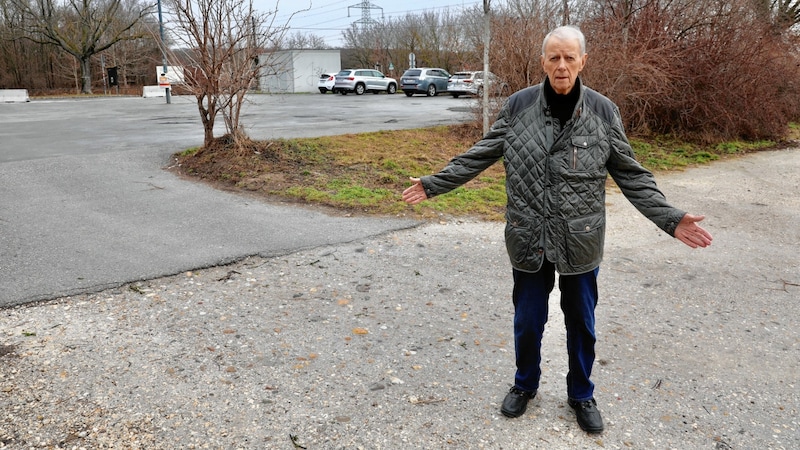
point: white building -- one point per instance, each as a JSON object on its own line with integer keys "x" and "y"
{"x": 292, "y": 71}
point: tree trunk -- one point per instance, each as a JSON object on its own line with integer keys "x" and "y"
{"x": 207, "y": 115}
{"x": 86, "y": 75}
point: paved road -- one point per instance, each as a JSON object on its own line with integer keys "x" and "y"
{"x": 85, "y": 203}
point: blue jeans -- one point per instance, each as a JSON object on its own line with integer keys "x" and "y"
{"x": 578, "y": 302}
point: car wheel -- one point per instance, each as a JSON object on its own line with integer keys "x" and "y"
{"x": 360, "y": 89}
{"x": 455, "y": 95}
{"x": 431, "y": 92}
{"x": 391, "y": 89}
{"x": 480, "y": 92}
{"x": 343, "y": 92}
{"x": 408, "y": 93}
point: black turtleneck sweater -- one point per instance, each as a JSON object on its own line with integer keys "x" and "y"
{"x": 562, "y": 105}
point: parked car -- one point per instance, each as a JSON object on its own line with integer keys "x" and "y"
{"x": 363, "y": 80}
{"x": 424, "y": 80}
{"x": 471, "y": 83}
{"x": 326, "y": 82}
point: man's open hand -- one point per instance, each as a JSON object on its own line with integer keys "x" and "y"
{"x": 415, "y": 193}
{"x": 692, "y": 234}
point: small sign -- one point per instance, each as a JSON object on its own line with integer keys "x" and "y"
{"x": 112, "y": 76}
{"x": 163, "y": 81}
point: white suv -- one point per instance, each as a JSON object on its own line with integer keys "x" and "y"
{"x": 363, "y": 80}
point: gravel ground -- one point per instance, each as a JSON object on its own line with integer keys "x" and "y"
{"x": 404, "y": 341}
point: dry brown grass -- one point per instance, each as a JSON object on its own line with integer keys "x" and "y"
{"x": 354, "y": 173}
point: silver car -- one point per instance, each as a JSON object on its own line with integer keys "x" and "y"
{"x": 363, "y": 80}
{"x": 471, "y": 83}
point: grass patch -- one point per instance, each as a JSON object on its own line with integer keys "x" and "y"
{"x": 793, "y": 131}
{"x": 366, "y": 173}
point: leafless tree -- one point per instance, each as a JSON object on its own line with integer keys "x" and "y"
{"x": 134, "y": 59}
{"x": 518, "y": 28}
{"x": 82, "y": 28}
{"x": 300, "y": 40}
{"x": 366, "y": 41}
{"x": 435, "y": 39}
{"x": 224, "y": 43}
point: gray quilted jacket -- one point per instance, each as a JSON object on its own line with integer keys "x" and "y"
{"x": 555, "y": 179}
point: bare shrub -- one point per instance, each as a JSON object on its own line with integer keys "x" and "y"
{"x": 704, "y": 70}
{"x": 711, "y": 72}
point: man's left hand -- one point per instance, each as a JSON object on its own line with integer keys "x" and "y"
{"x": 692, "y": 234}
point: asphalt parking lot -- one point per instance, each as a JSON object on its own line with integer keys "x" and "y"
{"x": 70, "y": 127}
{"x": 85, "y": 203}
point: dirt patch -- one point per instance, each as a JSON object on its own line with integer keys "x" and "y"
{"x": 266, "y": 170}
{"x": 6, "y": 350}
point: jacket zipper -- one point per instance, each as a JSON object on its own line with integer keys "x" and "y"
{"x": 574, "y": 158}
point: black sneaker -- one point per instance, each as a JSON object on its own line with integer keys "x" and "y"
{"x": 588, "y": 415}
{"x": 516, "y": 402}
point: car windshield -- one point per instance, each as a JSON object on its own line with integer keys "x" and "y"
{"x": 461, "y": 76}
{"x": 324, "y": 76}
{"x": 412, "y": 73}
{"x": 344, "y": 73}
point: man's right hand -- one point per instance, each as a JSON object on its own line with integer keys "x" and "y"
{"x": 692, "y": 234}
{"x": 415, "y": 193}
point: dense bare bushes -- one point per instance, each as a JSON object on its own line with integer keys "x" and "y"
{"x": 696, "y": 69}
{"x": 702, "y": 70}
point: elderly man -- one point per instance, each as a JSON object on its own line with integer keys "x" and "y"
{"x": 559, "y": 140}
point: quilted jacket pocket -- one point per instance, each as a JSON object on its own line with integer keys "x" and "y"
{"x": 586, "y": 155}
{"x": 585, "y": 238}
{"x": 522, "y": 241}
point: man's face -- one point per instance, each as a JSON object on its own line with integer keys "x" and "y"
{"x": 562, "y": 62}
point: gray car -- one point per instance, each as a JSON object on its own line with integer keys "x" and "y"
{"x": 424, "y": 80}
{"x": 363, "y": 80}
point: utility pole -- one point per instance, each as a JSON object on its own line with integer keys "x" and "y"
{"x": 486, "y": 38}
{"x": 163, "y": 47}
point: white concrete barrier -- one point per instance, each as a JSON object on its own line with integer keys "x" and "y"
{"x": 154, "y": 91}
{"x": 14, "y": 95}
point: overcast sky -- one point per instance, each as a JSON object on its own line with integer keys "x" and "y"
{"x": 328, "y": 18}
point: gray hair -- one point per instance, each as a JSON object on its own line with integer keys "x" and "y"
{"x": 566, "y": 32}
